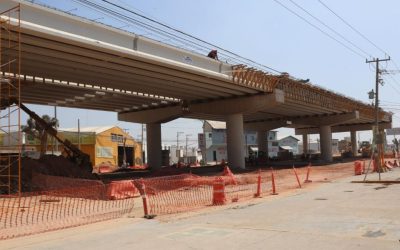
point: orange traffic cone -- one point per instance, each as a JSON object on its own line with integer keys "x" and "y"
{"x": 258, "y": 194}
{"x": 308, "y": 174}
{"x": 297, "y": 177}
{"x": 273, "y": 183}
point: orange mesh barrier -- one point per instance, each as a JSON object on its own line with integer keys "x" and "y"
{"x": 173, "y": 194}
{"x": 37, "y": 212}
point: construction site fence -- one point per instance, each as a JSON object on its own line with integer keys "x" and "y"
{"x": 42, "y": 211}
{"x": 181, "y": 193}
{"x": 89, "y": 201}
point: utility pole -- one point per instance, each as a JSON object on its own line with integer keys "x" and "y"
{"x": 79, "y": 134}
{"x": 143, "y": 148}
{"x": 55, "y": 142}
{"x": 186, "y": 148}
{"x": 377, "y": 132}
{"x": 177, "y": 145}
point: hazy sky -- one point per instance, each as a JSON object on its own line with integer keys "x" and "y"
{"x": 269, "y": 34}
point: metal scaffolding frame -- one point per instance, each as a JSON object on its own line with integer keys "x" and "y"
{"x": 10, "y": 115}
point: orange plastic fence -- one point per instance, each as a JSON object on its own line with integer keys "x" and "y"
{"x": 37, "y": 212}
{"x": 173, "y": 194}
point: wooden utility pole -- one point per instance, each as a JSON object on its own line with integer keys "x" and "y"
{"x": 378, "y": 142}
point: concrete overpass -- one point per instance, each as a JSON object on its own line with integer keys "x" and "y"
{"x": 69, "y": 61}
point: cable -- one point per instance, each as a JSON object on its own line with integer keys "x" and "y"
{"x": 169, "y": 35}
{"x": 186, "y": 34}
{"x": 316, "y": 27}
{"x": 393, "y": 79}
{"x": 354, "y": 29}
{"x": 331, "y": 29}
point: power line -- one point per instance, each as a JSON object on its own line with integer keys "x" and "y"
{"x": 331, "y": 29}
{"x": 318, "y": 28}
{"x": 186, "y": 34}
{"x": 358, "y": 32}
{"x": 352, "y": 27}
{"x": 167, "y": 34}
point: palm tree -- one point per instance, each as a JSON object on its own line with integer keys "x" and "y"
{"x": 34, "y": 129}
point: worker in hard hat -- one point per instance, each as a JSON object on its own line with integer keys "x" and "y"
{"x": 213, "y": 54}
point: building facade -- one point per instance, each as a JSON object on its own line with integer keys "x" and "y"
{"x": 290, "y": 143}
{"x": 102, "y": 144}
{"x": 212, "y": 142}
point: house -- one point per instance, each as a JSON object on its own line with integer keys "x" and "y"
{"x": 289, "y": 143}
{"x": 102, "y": 144}
{"x": 314, "y": 147}
{"x": 192, "y": 155}
{"x": 212, "y": 142}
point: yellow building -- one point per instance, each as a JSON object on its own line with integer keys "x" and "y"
{"x": 103, "y": 144}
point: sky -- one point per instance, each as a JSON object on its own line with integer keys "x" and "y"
{"x": 268, "y": 33}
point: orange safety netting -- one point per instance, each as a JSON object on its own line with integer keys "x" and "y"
{"x": 173, "y": 194}
{"x": 42, "y": 211}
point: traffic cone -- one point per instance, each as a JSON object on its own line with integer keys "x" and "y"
{"x": 144, "y": 199}
{"x": 308, "y": 174}
{"x": 258, "y": 194}
{"x": 297, "y": 177}
{"x": 273, "y": 183}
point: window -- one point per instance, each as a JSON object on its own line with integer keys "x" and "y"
{"x": 104, "y": 152}
{"x": 209, "y": 135}
{"x": 117, "y": 138}
{"x": 120, "y": 138}
{"x": 275, "y": 144}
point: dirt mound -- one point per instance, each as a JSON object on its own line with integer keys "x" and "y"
{"x": 48, "y": 165}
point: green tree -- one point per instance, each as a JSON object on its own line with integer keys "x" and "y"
{"x": 34, "y": 129}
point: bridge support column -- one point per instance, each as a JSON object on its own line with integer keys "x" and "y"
{"x": 235, "y": 141}
{"x": 354, "y": 144}
{"x": 305, "y": 143}
{"x": 153, "y": 133}
{"x": 262, "y": 140}
{"x": 325, "y": 135}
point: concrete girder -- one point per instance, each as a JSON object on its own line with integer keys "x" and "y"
{"x": 267, "y": 126}
{"x": 125, "y": 79}
{"x": 313, "y": 121}
{"x": 123, "y": 60}
{"x": 343, "y": 128}
{"x": 240, "y": 105}
{"x": 329, "y": 120}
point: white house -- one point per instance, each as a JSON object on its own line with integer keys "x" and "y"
{"x": 314, "y": 147}
{"x": 290, "y": 143}
{"x": 212, "y": 142}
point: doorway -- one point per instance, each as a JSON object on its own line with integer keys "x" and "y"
{"x": 129, "y": 155}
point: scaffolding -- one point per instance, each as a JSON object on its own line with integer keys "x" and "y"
{"x": 10, "y": 115}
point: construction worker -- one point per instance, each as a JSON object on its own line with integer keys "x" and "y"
{"x": 213, "y": 54}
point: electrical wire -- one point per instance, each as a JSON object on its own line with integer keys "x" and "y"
{"x": 352, "y": 27}
{"x": 359, "y": 33}
{"x": 331, "y": 29}
{"x": 169, "y": 35}
{"x": 318, "y": 28}
{"x": 186, "y": 34}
